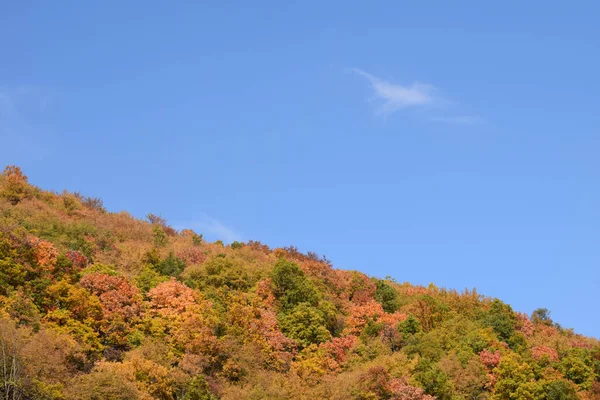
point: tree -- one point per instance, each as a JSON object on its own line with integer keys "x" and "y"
{"x": 197, "y": 389}
{"x": 50, "y": 359}
{"x": 403, "y": 391}
{"x": 515, "y": 379}
{"x": 93, "y": 203}
{"x": 171, "y": 298}
{"x": 305, "y": 324}
{"x": 15, "y": 186}
{"x": 560, "y": 390}
{"x": 171, "y": 266}
{"x": 11, "y": 367}
{"x": 576, "y": 369}
{"x": 362, "y": 289}
{"x": 81, "y": 303}
{"x": 222, "y": 272}
{"x": 290, "y": 285}
{"x": 541, "y": 316}
{"x": 107, "y": 381}
{"x": 149, "y": 278}
{"x": 410, "y": 326}
{"x": 375, "y": 384}
{"x": 121, "y": 304}
{"x": 433, "y": 379}
{"x": 502, "y": 319}
{"x": 12, "y": 271}
{"x": 429, "y": 311}
{"x": 160, "y": 237}
{"x": 387, "y": 296}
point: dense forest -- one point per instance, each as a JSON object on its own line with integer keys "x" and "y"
{"x": 100, "y": 305}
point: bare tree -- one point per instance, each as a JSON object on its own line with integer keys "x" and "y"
{"x": 10, "y": 365}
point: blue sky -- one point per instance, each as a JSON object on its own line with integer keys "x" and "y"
{"x": 432, "y": 142}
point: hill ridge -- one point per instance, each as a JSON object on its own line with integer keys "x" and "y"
{"x": 97, "y": 303}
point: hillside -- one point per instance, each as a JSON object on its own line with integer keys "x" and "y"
{"x": 100, "y": 305}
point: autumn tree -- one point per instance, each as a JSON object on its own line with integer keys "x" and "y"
{"x": 11, "y": 365}
{"x": 107, "y": 381}
{"x": 15, "y": 187}
{"x": 120, "y": 302}
{"x": 98, "y": 305}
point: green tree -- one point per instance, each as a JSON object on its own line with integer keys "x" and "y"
{"x": 560, "y": 390}
{"x": 160, "y": 237}
{"x": 502, "y": 319}
{"x": 387, "y": 296}
{"x": 409, "y": 326}
{"x": 541, "y": 316}
{"x": 197, "y": 389}
{"x": 197, "y": 239}
{"x": 291, "y": 286}
{"x": 515, "y": 379}
{"x": 576, "y": 369}
{"x": 305, "y": 324}
{"x": 149, "y": 278}
{"x": 171, "y": 266}
{"x": 434, "y": 380}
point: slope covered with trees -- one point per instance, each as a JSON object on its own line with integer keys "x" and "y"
{"x": 100, "y": 305}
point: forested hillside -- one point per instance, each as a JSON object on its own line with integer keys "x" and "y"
{"x": 99, "y": 305}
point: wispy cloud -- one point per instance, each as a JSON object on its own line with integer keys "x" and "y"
{"x": 390, "y": 97}
{"x": 212, "y": 227}
{"x": 393, "y": 97}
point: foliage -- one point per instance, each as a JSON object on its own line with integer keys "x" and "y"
{"x": 160, "y": 237}
{"x": 387, "y": 296}
{"x": 198, "y": 390}
{"x": 170, "y": 266}
{"x": 15, "y": 187}
{"x": 290, "y": 285}
{"x": 100, "y": 305}
{"x": 236, "y": 245}
{"x": 502, "y": 319}
{"x": 305, "y": 324}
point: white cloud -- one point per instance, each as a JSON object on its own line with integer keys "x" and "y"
{"x": 212, "y": 227}
{"x": 392, "y": 97}
{"x": 395, "y": 97}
